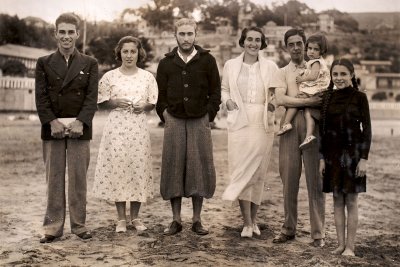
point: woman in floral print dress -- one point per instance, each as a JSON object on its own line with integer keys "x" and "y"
{"x": 124, "y": 171}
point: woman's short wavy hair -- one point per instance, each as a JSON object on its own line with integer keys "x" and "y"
{"x": 256, "y": 29}
{"x": 130, "y": 39}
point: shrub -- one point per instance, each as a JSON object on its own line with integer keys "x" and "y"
{"x": 379, "y": 96}
{"x": 14, "y": 68}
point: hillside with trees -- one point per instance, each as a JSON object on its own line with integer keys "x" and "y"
{"x": 160, "y": 14}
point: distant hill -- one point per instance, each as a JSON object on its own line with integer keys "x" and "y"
{"x": 375, "y": 20}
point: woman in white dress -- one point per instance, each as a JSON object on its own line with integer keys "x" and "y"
{"x": 124, "y": 171}
{"x": 245, "y": 91}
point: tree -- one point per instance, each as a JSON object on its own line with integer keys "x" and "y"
{"x": 263, "y": 14}
{"x": 224, "y": 9}
{"x": 14, "y": 31}
{"x": 14, "y": 68}
{"x": 102, "y": 47}
{"x": 186, "y": 7}
{"x": 343, "y": 21}
{"x": 159, "y": 15}
{"x": 294, "y": 13}
{"x": 379, "y": 96}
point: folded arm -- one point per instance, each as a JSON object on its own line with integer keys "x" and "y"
{"x": 292, "y": 102}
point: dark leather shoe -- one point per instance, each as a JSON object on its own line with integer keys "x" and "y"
{"x": 47, "y": 239}
{"x": 199, "y": 229}
{"x": 282, "y": 238}
{"x": 85, "y": 235}
{"x": 319, "y": 243}
{"x": 174, "y": 228}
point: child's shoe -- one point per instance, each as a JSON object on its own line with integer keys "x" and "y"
{"x": 137, "y": 223}
{"x": 284, "y": 129}
{"x": 121, "y": 226}
{"x": 307, "y": 142}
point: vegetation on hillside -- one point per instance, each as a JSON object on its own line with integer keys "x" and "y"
{"x": 102, "y": 36}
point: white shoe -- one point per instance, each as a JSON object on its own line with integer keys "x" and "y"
{"x": 137, "y": 223}
{"x": 308, "y": 142}
{"x": 256, "y": 230}
{"x": 121, "y": 226}
{"x": 284, "y": 129}
{"x": 247, "y": 231}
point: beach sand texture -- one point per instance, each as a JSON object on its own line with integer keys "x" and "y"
{"x": 22, "y": 206}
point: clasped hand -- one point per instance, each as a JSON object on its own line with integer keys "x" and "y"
{"x": 312, "y": 101}
{"x": 127, "y": 104}
{"x": 59, "y": 130}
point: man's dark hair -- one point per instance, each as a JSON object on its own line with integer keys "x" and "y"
{"x": 70, "y": 18}
{"x": 295, "y": 31}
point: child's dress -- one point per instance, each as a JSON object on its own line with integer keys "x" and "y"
{"x": 321, "y": 83}
{"x": 345, "y": 140}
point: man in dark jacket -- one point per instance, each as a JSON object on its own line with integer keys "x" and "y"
{"x": 66, "y": 100}
{"x": 189, "y": 98}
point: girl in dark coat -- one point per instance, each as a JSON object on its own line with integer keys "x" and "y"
{"x": 345, "y": 130}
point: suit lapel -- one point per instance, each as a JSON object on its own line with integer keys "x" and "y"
{"x": 77, "y": 65}
{"x": 58, "y": 65}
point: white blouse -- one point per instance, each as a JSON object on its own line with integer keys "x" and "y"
{"x": 250, "y": 84}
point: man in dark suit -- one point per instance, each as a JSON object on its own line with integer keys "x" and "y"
{"x": 66, "y": 100}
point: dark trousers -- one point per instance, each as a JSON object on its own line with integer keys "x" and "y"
{"x": 290, "y": 165}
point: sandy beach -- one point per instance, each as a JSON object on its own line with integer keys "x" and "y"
{"x": 22, "y": 206}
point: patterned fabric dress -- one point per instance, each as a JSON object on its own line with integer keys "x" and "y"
{"x": 124, "y": 164}
{"x": 321, "y": 83}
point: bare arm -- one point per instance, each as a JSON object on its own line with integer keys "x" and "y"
{"x": 310, "y": 75}
{"x": 292, "y": 102}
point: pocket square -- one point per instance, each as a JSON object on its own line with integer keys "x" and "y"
{"x": 81, "y": 72}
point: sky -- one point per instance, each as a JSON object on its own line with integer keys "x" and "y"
{"x": 110, "y": 9}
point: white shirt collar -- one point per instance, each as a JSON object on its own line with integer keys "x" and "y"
{"x": 189, "y": 57}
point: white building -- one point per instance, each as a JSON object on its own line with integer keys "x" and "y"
{"x": 27, "y": 55}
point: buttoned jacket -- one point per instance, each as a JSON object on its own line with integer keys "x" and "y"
{"x": 66, "y": 92}
{"x": 188, "y": 90}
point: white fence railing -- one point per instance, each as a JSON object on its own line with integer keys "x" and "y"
{"x": 384, "y": 105}
{"x": 17, "y": 83}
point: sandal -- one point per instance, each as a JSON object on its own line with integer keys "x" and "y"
{"x": 307, "y": 142}
{"x": 285, "y": 128}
